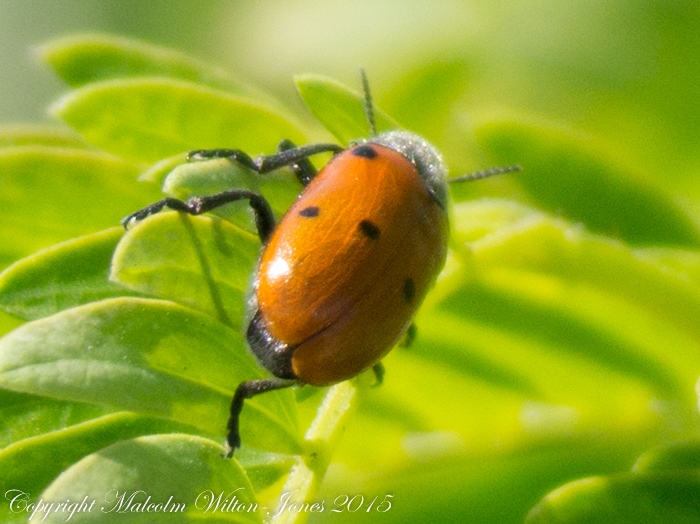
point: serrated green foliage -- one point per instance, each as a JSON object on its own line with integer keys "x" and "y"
{"x": 338, "y": 108}
{"x": 183, "y": 473}
{"x": 564, "y": 175}
{"x": 50, "y": 191}
{"x": 201, "y": 262}
{"x": 60, "y": 277}
{"x": 151, "y": 357}
{"x": 83, "y": 59}
{"x": 146, "y": 119}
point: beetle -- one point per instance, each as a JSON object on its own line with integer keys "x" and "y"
{"x": 341, "y": 276}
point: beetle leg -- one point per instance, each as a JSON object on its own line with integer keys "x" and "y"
{"x": 408, "y": 336}
{"x": 303, "y": 169}
{"x": 378, "y": 370}
{"x": 248, "y": 390}
{"x": 264, "y": 219}
{"x": 235, "y": 155}
{"x": 287, "y": 155}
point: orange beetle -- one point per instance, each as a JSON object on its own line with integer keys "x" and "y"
{"x": 343, "y": 273}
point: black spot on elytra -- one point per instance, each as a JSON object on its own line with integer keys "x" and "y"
{"x": 365, "y": 151}
{"x": 310, "y": 212}
{"x": 409, "y": 290}
{"x": 369, "y": 229}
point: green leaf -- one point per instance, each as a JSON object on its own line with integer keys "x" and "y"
{"x": 561, "y": 306}
{"x": 146, "y": 119}
{"x": 280, "y": 188}
{"x": 24, "y": 416}
{"x": 160, "y": 170}
{"x": 150, "y": 357}
{"x": 8, "y": 322}
{"x": 58, "y": 194}
{"x": 37, "y": 134}
{"x": 495, "y": 486}
{"x": 567, "y": 176}
{"x": 62, "y": 276}
{"x": 684, "y": 263}
{"x": 625, "y": 498}
{"x": 182, "y": 179}
{"x": 425, "y": 99}
{"x": 537, "y": 242}
{"x": 546, "y": 331}
{"x": 322, "y": 439}
{"x": 264, "y": 469}
{"x": 431, "y": 101}
{"x": 183, "y": 474}
{"x": 684, "y": 454}
{"x": 29, "y": 465}
{"x": 81, "y": 59}
{"x": 560, "y": 290}
{"x": 338, "y": 108}
{"x": 200, "y": 262}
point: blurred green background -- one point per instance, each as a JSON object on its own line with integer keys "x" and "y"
{"x": 599, "y": 101}
{"x": 619, "y": 72}
{"x": 626, "y": 72}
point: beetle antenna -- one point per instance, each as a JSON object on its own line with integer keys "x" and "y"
{"x": 369, "y": 107}
{"x": 486, "y": 173}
